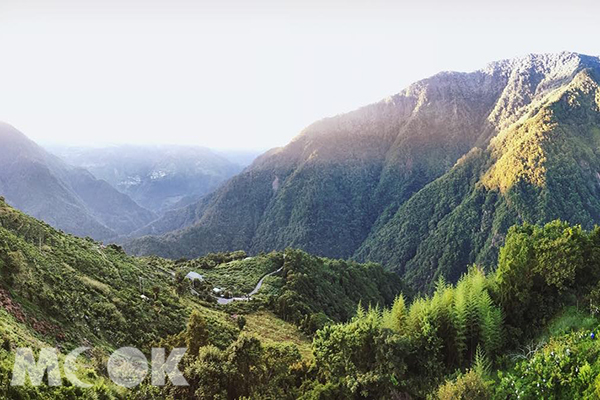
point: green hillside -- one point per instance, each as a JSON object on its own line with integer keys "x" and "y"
{"x": 528, "y": 330}
{"x": 440, "y": 244}
{"x": 64, "y": 291}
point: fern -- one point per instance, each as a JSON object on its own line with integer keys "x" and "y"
{"x": 482, "y": 365}
{"x": 461, "y": 318}
{"x": 490, "y": 323}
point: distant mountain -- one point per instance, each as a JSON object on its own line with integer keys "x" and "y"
{"x": 66, "y": 197}
{"x": 240, "y": 157}
{"x": 425, "y": 181}
{"x": 157, "y": 177}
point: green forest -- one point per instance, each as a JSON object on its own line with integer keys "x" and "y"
{"x": 318, "y": 329}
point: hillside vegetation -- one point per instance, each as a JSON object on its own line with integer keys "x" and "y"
{"x": 527, "y": 330}
{"x": 441, "y": 244}
{"x": 60, "y": 290}
{"x": 541, "y": 169}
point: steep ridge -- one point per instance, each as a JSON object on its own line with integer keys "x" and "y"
{"x": 66, "y": 197}
{"x": 352, "y": 184}
{"x": 543, "y": 168}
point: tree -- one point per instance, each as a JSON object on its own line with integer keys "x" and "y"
{"x": 559, "y": 251}
{"x": 207, "y": 376}
{"x": 245, "y": 366}
{"x": 14, "y": 262}
{"x": 537, "y": 267}
{"x": 491, "y": 325}
{"x": 360, "y": 359}
{"x": 514, "y": 276}
{"x": 395, "y": 319}
{"x": 180, "y": 282}
{"x": 196, "y": 334}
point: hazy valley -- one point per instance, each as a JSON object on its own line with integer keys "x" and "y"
{"x": 159, "y": 178}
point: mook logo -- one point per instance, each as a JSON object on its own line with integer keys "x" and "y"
{"x": 127, "y": 367}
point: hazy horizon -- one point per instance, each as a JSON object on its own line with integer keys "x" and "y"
{"x": 234, "y": 75}
{"x": 62, "y": 146}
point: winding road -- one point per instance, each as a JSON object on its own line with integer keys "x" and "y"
{"x": 222, "y": 300}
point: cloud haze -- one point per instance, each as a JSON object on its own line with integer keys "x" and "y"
{"x": 246, "y": 74}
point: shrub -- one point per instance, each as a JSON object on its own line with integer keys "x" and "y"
{"x": 241, "y": 322}
{"x": 469, "y": 386}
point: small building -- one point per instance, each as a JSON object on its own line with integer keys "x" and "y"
{"x": 218, "y": 291}
{"x": 194, "y": 276}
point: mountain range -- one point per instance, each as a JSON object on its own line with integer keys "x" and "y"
{"x": 158, "y": 178}
{"x": 67, "y": 197}
{"x": 107, "y": 193}
{"x": 425, "y": 181}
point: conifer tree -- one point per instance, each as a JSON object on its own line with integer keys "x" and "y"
{"x": 395, "y": 318}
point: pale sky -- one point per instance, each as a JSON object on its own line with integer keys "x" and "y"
{"x": 247, "y": 74}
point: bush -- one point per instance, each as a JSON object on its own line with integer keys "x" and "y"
{"x": 241, "y": 322}
{"x": 469, "y": 386}
{"x": 14, "y": 261}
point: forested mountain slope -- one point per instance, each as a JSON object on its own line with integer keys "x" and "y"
{"x": 545, "y": 167}
{"x": 66, "y": 197}
{"x": 424, "y": 181}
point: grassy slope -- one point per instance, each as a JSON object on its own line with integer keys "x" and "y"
{"x": 240, "y": 276}
{"x": 271, "y": 329}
